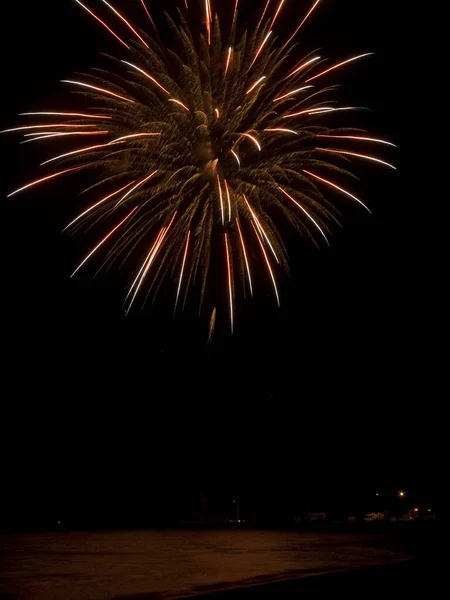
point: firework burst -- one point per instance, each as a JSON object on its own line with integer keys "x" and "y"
{"x": 204, "y": 147}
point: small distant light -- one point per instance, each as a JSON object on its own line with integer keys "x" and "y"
{"x": 429, "y": 510}
{"x": 59, "y": 522}
{"x": 401, "y": 494}
{"x": 377, "y": 494}
{"x": 416, "y": 510}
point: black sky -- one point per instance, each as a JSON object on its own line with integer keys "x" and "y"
{"x": 335, "y": 391}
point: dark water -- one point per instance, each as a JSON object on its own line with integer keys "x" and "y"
{"x": 103, "y": 566}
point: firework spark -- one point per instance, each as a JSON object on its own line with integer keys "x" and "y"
{"x": 293, "y": 92}
{"x": 228, "y": 200}
{"x": 229, "y": 55}
{"x": 97, "y": 204}
{"x": 317, "y": 111}
{"x": 260, "y": 49}
{"x": 359, "y": 138}
{"x": 42, "y": 179}
{"x": 281, "y": 130}
{"x": 134, "y": 135}
{"x": 280, "y": 6}
{"x": 266, "y": 258}
{"x": 244, "y": 252}
{"x": 263, "y": 13}
{"x": 230, "y": 282}
{"x": 252, "y": 87}
{"x": 127, "y": 23}
{"x": 144, "y": 264}
{"x": 63, "y": 114}
{"x": 311, "y": 10}
{"x": 306, "y": 213}
{"x": 54, "y": 134}
{"x": 79, "y": 151}
{"x": 336, "y": 187}
{"x": 235, "y": 13}
{"x": 364, "y": 156}
{"x": 179, "y": 104}
{"x": 107, "y": 236}
{"x": 98, "y": 89}
{"x": 149, "y": 260}
{"x": 222, "y": 211}
{"x": 146, "y": 75}
{"x": 147, "y": 12}
{"x": 260, "y": 228}
{"x": 196, "y": 163}
{"x": 137, "y": 186}
{"x": 212, "y": 325}
{"x": 104, "y": 24}
{"x": 339, "y": 65}
{"x": 236, "y": 157}
{"x": 182, "y": 268}
{"x": 208, "y": 19}
{"x": 253, "y": 139}
{"x": 57, "y": 126}
{"x": 303, "y": 66}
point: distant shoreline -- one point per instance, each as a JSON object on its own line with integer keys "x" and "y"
{"x": 305, "y": 526}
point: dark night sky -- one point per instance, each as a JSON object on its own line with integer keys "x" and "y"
{"x": 316, "y": 398}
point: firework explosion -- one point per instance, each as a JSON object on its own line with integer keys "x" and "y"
{"x": 200, "y": 149}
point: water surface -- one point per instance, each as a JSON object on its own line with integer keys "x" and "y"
{"x": 107, "y": 565}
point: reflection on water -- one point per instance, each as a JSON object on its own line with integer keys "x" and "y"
{"x": 101, "y": 566}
